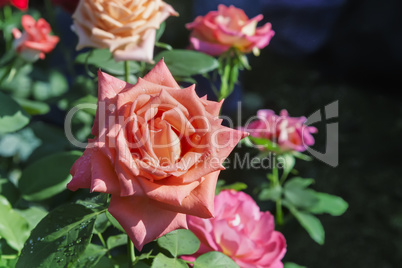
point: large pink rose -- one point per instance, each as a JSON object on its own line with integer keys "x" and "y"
{"x": 218, "y": 31}
{"x": 241, "y": 231}
{"x": 126, "y": 28}
{"x": 36, "y": 40}
{"x": 289, "y": 133}
{"x": 158, "y": 150}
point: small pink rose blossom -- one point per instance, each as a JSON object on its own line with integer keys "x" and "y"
{"x": 158, "y": 150}
{"x": 228, "y": 27}
{"x": 241, "y": 231}
{"x": 289, "y": 133}
{"x": 36, "y": 40}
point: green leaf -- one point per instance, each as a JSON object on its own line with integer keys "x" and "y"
{"x": 114, "y": 222}
{"x": 13, "y": 227}
{"x": 288, "y": 164}
{"x": 47, "y": 176}
{"x": 55, "y": 85}
{"x": 89, "y": 99}
{"x": 214, "y": 259}
{"x": 237, "y": 186}
{"x": 160, "y": 31}
{"x": 179, "y": 242}
{"x": 330, "y": 204}
{"x": 295, "y": 192}
{"x": 33, "y": 215}
{"x": 60, "y": 237}
{"x": 103, "y": 59}
{"x": 309, "y": 222}
{"x": 292, "y": 265}
{"x": 116, "y": 241}
{"x": 9, "y": 191}
{"x": 101, "y": 223}
{"x": 33, "y": 107}
{"x": 12, "y": 116}
{"x": 166, "y": 262}
{"x": 273, "y": 193}
{"x": 90, "y": 257}
{"x": 20, "y": 144}
{"x": 302, "y": 156}
{"x": 184, "y": 63}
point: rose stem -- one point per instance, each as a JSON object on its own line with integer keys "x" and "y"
{"x": 127, "y": 71}
{"x": 131, "y": 253}
{"x": 279, "y": 214}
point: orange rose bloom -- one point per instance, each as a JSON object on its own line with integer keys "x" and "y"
{"x": 158, "y": 150}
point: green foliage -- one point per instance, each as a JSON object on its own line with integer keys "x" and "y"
{"x": 103, "y": 59}
{"x": 237, "y": 186}
{"x": 184, "y": 63}
{"x": 12, "y": 116}
{"x": 90, "y": 257}
{"x": 214, "y": 259}
{"x": 163, "y": 261}
{"x": 179, "y": 242}
{"x": 13, "y": 227}
{"x": 116, "y": 241}
{"x": 61, "y": 237}
{"x": 47, "y": 176}
{"x": 292, "y": 265}
{"x": 296, "y": 193}
{"x": 331, "y": 204}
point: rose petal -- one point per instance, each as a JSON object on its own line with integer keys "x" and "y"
{"x": 142, "y": 221}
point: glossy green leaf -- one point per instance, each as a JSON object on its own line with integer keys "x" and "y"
{"x": 330, "y": 204}
{"x": 89, "y": 99}
{"x": 214, "y": 259}
{"x": 90, "y": 257}
{"x": 166, "y": 262}
{"x": 103, "y": 59}
{"x": 179, "y": 242}
{"x": 160, "y": 31}
{"x": 292, "y": 265}
{"x": 20, "y": 144}
{"x": 116, "y": 241}
{"x": 12, "y": 116}
{"x": 13, "y": 227}
{"x": 47, "y": 176}
{"x": 101, "y": 223}
{"x": 61, "y": 237}
{"x": 184, "y": 63}
{"x": 33, "y": 107}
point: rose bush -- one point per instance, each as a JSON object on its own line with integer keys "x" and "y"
{"x": 228, "y": 27}
{"x": 157, "y": 150}
{"x": 20, "y": 4}
{"x": 35, "y": 41}
{"x": 126, "y": 28}
{"x": 289, "y": 133}
{"x": 241, "y": 231}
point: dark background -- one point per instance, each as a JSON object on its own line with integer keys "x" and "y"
{"x": 322, "y": 52}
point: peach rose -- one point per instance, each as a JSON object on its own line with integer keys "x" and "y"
{"x": 158, "y": 150}
{"x": 241, "y": 231}
{"x": 126, "y": 28}
{"x": 228, "y": 27}
{"x": 36, "y": 40}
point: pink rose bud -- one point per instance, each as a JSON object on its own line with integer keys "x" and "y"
{"x": 126, "y": 28}
{"x": 228, "y": 27}
{"x": 35, "y": 41}
{"x": 158, "y": 150}
{"x": 289, "y": 133}
{"x": 241, "y": 231}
